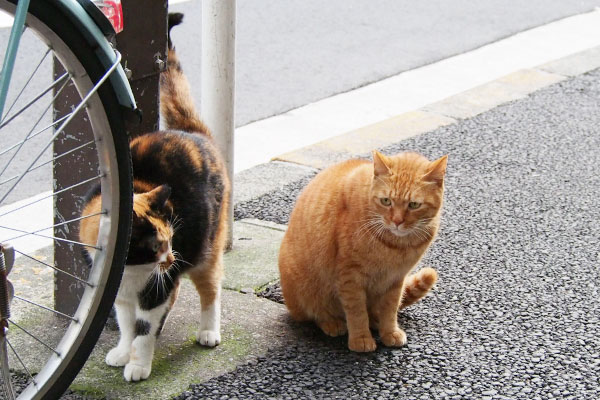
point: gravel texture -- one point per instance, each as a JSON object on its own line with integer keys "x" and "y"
{"x": 273, "y": 206}
{"x": 515, "y": 314}
{"x": 272, "y": 292}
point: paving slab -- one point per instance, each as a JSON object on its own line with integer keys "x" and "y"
{"x": 511, "y": 87}
{"x": 252, "y": 263}
{"x": 250, "y": 326}
{"x": 263, "y": 178}
{"x": 575, "y": 64}
{"x": 363, "y": 140}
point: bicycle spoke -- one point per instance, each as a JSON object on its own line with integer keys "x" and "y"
{"x": 39, "y": 96}
{"x": 49, "y": 161}
{"x": 64, "y": 124}
{"x": 32, "y": 128}
{"x": 52, "y": 226}
{"x": 54, "y": 194}
{"x": 26, "y": 83}
{"x": 52, "y": 125}
{"x": 21, "y": 362}
{"x": 26, "y": 233}
{"x": 54, "y": 268}
{"x": 35, "y": 338}
{"x": 46, "y": 308}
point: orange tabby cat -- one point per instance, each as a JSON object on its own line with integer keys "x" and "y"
{"x": 356, "y": 232}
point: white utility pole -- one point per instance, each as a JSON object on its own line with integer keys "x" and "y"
{"x": 218, "y": 80}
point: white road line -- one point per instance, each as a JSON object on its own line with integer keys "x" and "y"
{"x": 6, "y": 20}
{"x": 32, "y": 218}
{"x": 260, "y": 141}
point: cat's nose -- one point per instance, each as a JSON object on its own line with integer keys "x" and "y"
{"x": 398, "y": 221}
{"x": 170, "y": 258}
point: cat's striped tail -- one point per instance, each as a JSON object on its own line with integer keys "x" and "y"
{"x": 176, "y": 102}
{"x": 418, "y": 285}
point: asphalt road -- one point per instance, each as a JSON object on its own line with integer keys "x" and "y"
{"x": 515, "y": 314}
{"x": 294, "y": 52}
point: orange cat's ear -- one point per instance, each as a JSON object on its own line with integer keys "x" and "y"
{"x": 437, "y": 170}
{"x": 380, "y": 163}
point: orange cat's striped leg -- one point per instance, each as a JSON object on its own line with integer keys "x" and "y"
{"x": 387, "y": 309}
{"x": 353, "y": 297}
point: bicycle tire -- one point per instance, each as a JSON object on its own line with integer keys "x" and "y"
{"x": 70, "y": 46}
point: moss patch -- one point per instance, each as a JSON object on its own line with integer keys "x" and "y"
{"x": 175, "y": 367}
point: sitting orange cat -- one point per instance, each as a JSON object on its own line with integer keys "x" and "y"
{"x": 356, "y": 232}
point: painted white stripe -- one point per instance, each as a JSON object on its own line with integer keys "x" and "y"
{"x": 260, "y": 141}
{"x": 6, "y": 20}
{"x": 31, "y": 218}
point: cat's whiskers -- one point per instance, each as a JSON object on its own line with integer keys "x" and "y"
{"x": 422, "y": 231}
{"x": 175, "y": 223}
{"x": 178, "y": 257}
{"x": 371, "y": 225}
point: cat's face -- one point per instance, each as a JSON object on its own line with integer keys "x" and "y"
{"x": 407, "y": 192}
{"x": 151, "y": 230}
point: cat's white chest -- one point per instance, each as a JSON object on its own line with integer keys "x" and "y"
{"x": 135, "y": 278}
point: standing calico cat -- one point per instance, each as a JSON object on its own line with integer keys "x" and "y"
{"x": 356, "y": 232}
{"x": 180, "y": 200}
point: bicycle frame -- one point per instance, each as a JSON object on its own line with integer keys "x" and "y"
{"x": 92, "y": 33}
{"x": 11, "y": 51}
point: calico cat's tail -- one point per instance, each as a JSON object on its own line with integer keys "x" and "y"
{"x": 176, "y": 102}
{"x": 418, "y": 285}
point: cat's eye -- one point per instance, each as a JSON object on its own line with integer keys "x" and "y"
{"x": 155, "y": 246}
{"x": 413, "y": 205}
{"x": 385, "y": 201}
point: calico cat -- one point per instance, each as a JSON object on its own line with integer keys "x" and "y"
{"x": 181, "y": 192}
{"x": 356, "y": 232}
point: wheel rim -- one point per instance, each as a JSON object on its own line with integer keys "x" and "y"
{"x": 65, "y": 339}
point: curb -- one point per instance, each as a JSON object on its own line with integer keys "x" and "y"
{"x": 464, "y": 105}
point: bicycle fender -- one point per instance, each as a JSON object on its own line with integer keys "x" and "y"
{"x": 106, "y": 54}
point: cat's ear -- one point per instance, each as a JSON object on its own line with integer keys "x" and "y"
{"x": 380, "y": 164}
{"x": 157, "y": 197}
{"x": 437, "y": 170}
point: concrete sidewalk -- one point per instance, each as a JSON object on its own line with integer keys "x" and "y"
{"x": 252, "y": 325}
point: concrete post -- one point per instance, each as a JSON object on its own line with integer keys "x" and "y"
{"x": 218, "y": 80}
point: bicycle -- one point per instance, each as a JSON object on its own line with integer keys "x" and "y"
{"x": 76, "y": 38}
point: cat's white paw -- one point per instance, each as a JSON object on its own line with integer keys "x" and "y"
{"x": 208, "y": 338}
{"x": 117, "y": 357}
{"x": 134, "y": 372}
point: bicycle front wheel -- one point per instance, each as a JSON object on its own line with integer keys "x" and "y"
{"x": 51, "y": 154}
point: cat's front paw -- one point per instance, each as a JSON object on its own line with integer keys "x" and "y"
{"x": 395, "y": 338}
{"x": 117, "y": 357}
{"x": 362, "y": 343}
{"x": 208, "y": 338}
{"x": 135, "y": 372}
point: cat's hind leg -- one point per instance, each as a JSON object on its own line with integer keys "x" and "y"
{"x": 333, "y": 326}
{"x": 207, "y": 279}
